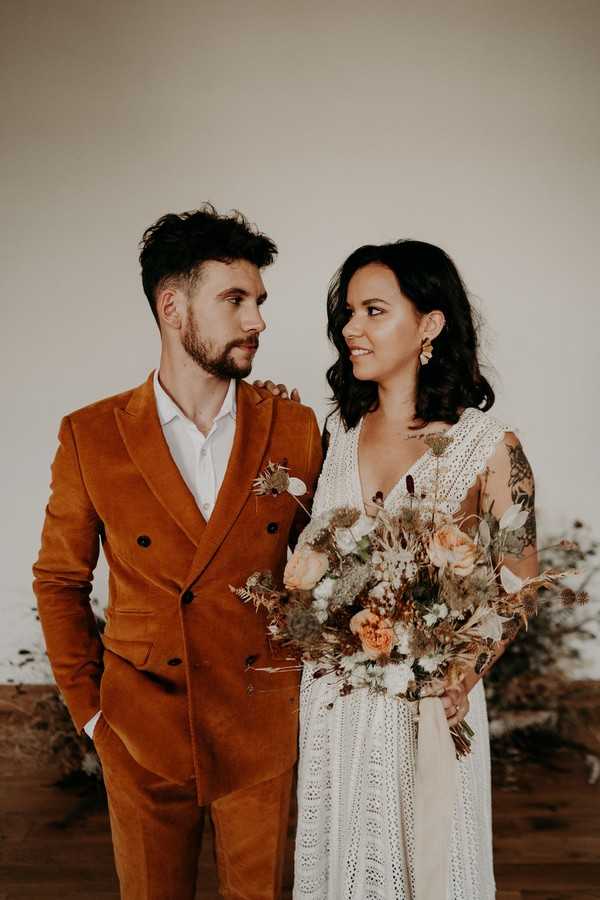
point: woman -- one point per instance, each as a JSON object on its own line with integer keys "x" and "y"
{"x": 399, "y": 317}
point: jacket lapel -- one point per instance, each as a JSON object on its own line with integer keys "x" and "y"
{"x": 142, "y": 434}
{"x": 253, "y": 427}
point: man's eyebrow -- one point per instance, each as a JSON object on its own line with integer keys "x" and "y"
{"x": 236, "y": 290}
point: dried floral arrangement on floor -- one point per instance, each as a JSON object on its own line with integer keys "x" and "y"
{"x": 535, "y": 706}
{"x": 37, "y": 733}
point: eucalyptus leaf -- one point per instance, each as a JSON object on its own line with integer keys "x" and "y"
{"x": 510, "y": 582}
{"x": 485, "y": 535}
{"x": 514, "y": 517}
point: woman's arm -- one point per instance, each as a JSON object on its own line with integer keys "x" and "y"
{"x": 508, "y": 480}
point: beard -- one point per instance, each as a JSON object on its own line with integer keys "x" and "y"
{"x": 216, "y": 361}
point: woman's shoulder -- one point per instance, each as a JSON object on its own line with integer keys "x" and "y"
{"x": 476, "y": 423}
{"x": 478, "y": 437}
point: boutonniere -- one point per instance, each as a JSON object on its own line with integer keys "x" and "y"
{"x": 276, "y": 480}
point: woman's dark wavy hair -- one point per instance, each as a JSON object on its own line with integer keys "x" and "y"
{"x": 177, "y": 245}
{"x": 452, "y": 380}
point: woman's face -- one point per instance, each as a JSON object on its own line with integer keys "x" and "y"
{"x": 384, "y": 331}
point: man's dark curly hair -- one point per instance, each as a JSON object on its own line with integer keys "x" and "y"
{"x": 452, "y": 380}
{"x": 177, "y": 245}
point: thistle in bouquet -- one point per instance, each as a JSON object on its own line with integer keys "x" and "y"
{"x": 402, "y": 603}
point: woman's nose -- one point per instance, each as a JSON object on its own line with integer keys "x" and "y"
{"x": 351, "y": 329}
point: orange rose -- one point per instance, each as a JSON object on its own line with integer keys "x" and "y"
{"x": 304, "y": 569}
{"x": 376, "y": 634}
{"x": 451, "y": 547}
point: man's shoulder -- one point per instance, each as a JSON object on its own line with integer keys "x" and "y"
{"x": 286, "y": 410}
{"x": 102, "y": 409}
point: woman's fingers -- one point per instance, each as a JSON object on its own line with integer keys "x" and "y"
{"x": 456, "y": 705}
{"x": 278, "y": 390}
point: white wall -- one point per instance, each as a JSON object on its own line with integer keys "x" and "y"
{"x": 469, "y": 124}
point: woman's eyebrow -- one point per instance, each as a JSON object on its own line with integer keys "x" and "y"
{"x": 373, "y": 300}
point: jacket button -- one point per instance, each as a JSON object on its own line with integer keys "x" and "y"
{"x": 144, "y": 540}
{"x": 272, "y": 527}
{"x": 174, "y": 662}
{"x": 187, "y": 596}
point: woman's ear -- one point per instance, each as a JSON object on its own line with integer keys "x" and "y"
{"x": 432, "y": 324}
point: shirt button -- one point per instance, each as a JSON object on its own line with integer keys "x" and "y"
{"x": 174, "y": 662}
{"x": 187, "y": 596}
{"x": 206, "y": 507}
{"x": 144, "y": 540}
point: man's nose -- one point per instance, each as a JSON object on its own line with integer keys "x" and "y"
{"x": 254, "y": 322}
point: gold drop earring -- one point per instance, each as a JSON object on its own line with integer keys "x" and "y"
{"x": 426, "y": 351}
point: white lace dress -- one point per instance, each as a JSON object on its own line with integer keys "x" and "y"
{"x": 355, "y": 838}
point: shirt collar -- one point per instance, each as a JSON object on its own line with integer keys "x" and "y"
{"x": 168, "y": 410}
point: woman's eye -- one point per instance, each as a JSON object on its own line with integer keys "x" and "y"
{"x": 373, "y": 311}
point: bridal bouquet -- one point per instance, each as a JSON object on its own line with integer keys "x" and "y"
{"x": 400, "y": 604}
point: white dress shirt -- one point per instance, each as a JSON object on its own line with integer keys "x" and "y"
{"x": 202, "y": 461}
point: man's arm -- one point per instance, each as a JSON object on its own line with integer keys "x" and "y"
{"x": 63, "y": 582}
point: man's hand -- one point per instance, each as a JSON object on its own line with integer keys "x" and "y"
{"x": 278, "y": 390}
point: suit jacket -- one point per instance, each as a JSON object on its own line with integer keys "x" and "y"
{"x": 175, "y": 671}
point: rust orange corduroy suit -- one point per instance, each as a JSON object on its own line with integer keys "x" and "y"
{"x": 188, "y": 719}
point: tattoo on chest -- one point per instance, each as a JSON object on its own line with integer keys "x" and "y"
{"x": 522, "y": 491}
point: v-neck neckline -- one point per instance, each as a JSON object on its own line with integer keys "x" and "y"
{"x": 424, "y": 457}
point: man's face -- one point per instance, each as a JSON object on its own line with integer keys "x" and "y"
{"x": 223, "y": 319}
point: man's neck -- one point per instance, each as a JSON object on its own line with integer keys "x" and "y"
{"x": 198, "y": 394}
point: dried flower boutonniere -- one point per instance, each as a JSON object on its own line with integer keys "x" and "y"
{"x": 276, "y": 479}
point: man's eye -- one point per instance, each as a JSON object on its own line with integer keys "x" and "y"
{"x": 235, "y": 300}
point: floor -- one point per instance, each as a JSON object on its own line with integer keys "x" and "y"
{"x": 547, "y": 838}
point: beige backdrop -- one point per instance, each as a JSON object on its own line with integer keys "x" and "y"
{"x": 469, "y": 124}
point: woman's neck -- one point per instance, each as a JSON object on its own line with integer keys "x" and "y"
{"x": 397, "y": 403}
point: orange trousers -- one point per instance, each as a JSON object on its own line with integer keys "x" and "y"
{"x": 157, "y": 831}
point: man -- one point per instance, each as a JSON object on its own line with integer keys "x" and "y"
{"x": 175, "y": 693}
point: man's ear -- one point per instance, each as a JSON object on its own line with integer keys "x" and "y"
{"x": 433, "y": 323}
{"x": 170, "y": 305}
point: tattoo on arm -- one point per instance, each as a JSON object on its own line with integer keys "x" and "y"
{"x": 522, "y": 490}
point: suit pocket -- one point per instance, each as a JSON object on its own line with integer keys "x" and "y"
{"x": 135, "y": 652}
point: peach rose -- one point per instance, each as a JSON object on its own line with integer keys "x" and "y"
{"x": 451, "y": 547}
{"x": 376, "y": 634}
{"x": 305, "y": 568}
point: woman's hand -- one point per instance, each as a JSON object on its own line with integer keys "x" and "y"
{"x": 456, "y": 703}
{"x": 278, "y": 390}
